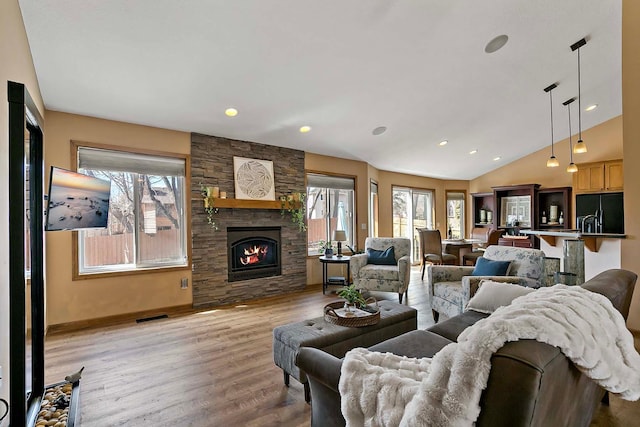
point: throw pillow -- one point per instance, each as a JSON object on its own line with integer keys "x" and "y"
{"x": 489, "y": 267}
{"x": 492, "y": 295}
{"x": 386, "y": 257}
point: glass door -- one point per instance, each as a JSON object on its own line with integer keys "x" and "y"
{"x": 455, "y": 215}
{"x": 412, "y": 208}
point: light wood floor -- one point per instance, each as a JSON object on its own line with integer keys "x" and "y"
{"x": 210, "y": 368}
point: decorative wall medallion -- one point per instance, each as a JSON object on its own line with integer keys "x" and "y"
{"x": 253, "y": 179}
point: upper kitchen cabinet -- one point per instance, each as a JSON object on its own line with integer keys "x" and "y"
{"x": 598, "y": 177}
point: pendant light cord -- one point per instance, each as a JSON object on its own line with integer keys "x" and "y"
{"x": 579, "y": 101}
{"x": 570, "y": 144}
{"x": 551, "y": 109}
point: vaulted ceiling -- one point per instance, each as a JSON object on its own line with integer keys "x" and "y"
{"x": 417, "y": 67}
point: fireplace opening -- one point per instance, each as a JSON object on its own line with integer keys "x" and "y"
{"x": 253, "y": 252}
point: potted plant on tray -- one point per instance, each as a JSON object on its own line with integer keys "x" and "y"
{"x": 352, "y": 296}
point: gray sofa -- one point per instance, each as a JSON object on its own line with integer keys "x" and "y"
{"x": 530, "y": 383}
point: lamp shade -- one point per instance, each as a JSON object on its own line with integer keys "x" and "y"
{"x": 580, "y": 147}
{"x": 339, "y": 235}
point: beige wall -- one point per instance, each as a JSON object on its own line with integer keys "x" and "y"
{"x": 15, "y": 65}
{"x": 389, "y": 179}
{"x": 604, "y": 142}
{"x": 68, "y": 300}
{"x": 357, "y": 169}
{"x": 631, "y": 128}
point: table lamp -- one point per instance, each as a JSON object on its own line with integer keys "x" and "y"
{"x": 339, "y": 236}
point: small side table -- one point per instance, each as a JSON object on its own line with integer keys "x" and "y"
{"x": 334, "y": 280}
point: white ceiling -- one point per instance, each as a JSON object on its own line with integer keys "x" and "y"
{"x": 417, "y": 67}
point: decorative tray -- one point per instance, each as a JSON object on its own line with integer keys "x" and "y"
{"x": 337, "y": 314}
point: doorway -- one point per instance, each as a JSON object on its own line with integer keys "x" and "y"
{"x": 412, "y": 208}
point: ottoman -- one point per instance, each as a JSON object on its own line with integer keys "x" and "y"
{"x": 395, "y": 319}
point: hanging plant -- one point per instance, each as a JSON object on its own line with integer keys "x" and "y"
{"x": 295, "y": 205}
{"x": 209, "y": 209}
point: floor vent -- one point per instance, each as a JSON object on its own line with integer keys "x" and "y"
{"x": 147, "y": 319}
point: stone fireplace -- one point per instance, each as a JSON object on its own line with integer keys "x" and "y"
{"x": 217, "y": 278}
{"x": 253, "y": 252}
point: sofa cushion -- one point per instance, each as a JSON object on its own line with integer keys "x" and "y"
{"x": 386, "y": 257}
{"x": 413, "y": 344}
{"x": 451, "y": 328}
{"x": 379, "y": 272}
{"x": 488, "y": 267}
{"x": 491, "y": 295}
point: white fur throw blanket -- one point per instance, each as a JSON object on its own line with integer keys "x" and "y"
{"x": 387, "y": 390}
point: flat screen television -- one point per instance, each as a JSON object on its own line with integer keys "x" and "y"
{"x": 76, "y": 201}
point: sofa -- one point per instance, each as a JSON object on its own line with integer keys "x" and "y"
{"x": 530, "y": 383}
{"x": 451, "y": 287}
{"x": 379, "y": 277}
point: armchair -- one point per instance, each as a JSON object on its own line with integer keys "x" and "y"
{"x": 451, "y": 287}
{"x": 387, "y": 278}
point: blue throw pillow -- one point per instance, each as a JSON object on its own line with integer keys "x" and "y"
{"x": 487, "y": 267}
{"x": 386, "y": 257}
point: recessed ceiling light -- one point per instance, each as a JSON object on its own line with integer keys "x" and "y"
{"x": 495, "y": 159}
{"x": 379, "y": 130}
{"x": 443, "y": 142}
{"x": 231, "y": 112}
{"x": 496, "y": 43}
{"x": 473, "y": 151}
{"x": 591, "y": 107}
{"x": 305, "y": 129}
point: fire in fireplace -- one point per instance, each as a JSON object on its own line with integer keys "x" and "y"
{"x": 253, "y": 252}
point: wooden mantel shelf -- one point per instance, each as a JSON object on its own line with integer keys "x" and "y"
{"x": 246, "y": 204}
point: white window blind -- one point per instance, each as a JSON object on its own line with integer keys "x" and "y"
{"x": 327, "y": 181}
{"x": 120, "y": 161}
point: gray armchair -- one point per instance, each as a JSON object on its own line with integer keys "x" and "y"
{"x": 386, "y": 278}
{"x": 451, "y": 287}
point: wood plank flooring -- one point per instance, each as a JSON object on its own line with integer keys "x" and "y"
{"x": 210, "y": 368}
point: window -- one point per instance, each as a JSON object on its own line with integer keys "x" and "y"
{"x": 455, "y": 214}
{"x": 330, "y": 207}
{"x": 146, "y": 226}
{"x": 373, "y": 209}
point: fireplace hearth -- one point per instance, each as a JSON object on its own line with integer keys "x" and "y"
{"x": 253, "y": 252}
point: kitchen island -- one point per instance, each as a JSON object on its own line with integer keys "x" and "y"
{"x": 604, "y": 250}
{"x": 591, "y": 240}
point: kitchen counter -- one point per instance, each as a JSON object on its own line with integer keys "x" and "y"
{"x": 590, "y": 239}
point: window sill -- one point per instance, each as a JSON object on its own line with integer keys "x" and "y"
{"x": 133, "y": 272}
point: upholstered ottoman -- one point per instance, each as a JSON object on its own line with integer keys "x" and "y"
{"x": 395, "y": 319}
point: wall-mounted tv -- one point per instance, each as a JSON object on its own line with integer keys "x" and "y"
{"x": 76, "y": 201}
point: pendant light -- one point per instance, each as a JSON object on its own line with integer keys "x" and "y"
{"x": 580, "y": 147}
{"x": 552, "y": 162}
{"x": 572, "y": 168}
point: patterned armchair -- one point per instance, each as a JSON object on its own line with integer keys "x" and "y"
{"x": 388, "y": 278}
{"x": 451, "y": 288}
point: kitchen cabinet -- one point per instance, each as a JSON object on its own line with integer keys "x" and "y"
{"x": 598, "y": 177}
{"x": 613, "y": 175}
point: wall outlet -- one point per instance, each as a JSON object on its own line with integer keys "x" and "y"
{"x": 363, "y": 225}
{"x": 184, "y": 283}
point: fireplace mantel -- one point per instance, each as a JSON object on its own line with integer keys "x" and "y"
{"x": 247, "y": 204}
